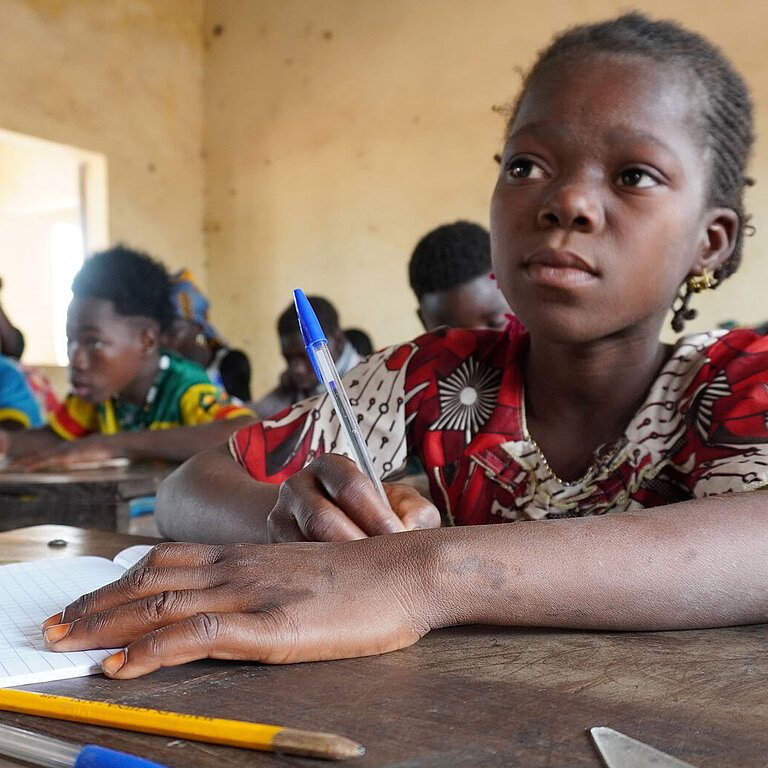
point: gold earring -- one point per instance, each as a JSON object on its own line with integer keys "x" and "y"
{"x": 702, "y": 282}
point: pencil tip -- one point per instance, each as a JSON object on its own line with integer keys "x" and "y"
{"x": 330, "y": 746}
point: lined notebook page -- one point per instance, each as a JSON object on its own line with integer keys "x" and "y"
{"x": 29, "y": 594}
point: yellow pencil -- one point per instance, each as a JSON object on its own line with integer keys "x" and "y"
{"x": 234, "y": 733}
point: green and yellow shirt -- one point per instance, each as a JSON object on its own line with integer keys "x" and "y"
{"x": 182, "y": 396}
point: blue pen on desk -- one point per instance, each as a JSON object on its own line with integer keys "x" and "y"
{"x": 55, "y": 753}
{"x": 322, "y": 361}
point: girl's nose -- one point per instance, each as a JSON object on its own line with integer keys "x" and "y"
{"x": 572, "y": 206}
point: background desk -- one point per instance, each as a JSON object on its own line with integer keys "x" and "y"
{"x": 463, "y": 697}
{"x": 89, "y": 498}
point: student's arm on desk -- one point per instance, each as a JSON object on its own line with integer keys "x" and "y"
{"x": 328, "y": 501}
{"x": 700, "y": 563}
{"x": 19, "y": 443}
{"x": 175, "y": 444}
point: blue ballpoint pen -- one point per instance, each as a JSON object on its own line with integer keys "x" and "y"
{"x": 322, "y": 361}
{"x": 55, "y": 753}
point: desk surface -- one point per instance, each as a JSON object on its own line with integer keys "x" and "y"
{"x": 107, "y": 474}
{"x": 90, "y": 498}
{"x": 38, "y": 542}
{"x": 467, "y": 696}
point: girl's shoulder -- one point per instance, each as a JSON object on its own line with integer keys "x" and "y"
{"x": 734, "y": 353}
{"x": 717, "y": 383}
{"x": 446, "y": 348}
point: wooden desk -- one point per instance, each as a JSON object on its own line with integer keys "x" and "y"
{"x": 34, "y": 542}
{"x": 89, "y": 498}
{"x": 465, "y": 697}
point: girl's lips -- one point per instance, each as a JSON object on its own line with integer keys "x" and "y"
{"x": 552, "y": 276}
{"x": 555, "y": 268}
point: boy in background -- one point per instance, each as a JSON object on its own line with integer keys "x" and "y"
{"x": 450, "y": 273}
{"x": 299, "y": 380}
{"x": 129, "y": 398}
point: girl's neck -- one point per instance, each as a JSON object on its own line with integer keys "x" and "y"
{"x": 618, "y": 371}
{"x": 580, "y": 398}
{"x": 136, "y": 392}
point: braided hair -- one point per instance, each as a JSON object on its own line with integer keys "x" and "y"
{"x": 450, "y": 255}
{"x": 722, "y": 100}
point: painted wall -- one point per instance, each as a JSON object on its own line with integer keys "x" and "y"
{"x": 338, "y": 132}
{"x": 123, "y": 78}
{"x": 269, "y": 144}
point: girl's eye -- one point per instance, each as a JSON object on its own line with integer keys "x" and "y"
{"x": 637, "y": 178}
{"x": 523, "y": 168}
{"x": 93, "y": 343}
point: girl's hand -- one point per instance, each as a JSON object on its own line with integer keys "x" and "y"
{"x": 66, "y": 454}
{"x": 331, "y": 500}
{"x": 274, "y": 603}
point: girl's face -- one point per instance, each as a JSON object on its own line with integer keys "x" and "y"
{"x": 599, "y": 211}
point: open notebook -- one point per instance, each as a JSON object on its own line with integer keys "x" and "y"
{"x": 30, "y": 593}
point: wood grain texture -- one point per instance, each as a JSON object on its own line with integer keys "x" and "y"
{"x": 34, "y": 542}
{"x": 89, "y": 498}
{"x": 469, "y": 696}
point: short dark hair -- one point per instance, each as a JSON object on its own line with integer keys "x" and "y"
{"x": 360, "y": 340}
{"x": 288, "y": 323}
{"x": 235, "y": 370}
{"x": 451, "y": 255}
{"x": 724, "y": 106}
{"x": 135, "y": 283}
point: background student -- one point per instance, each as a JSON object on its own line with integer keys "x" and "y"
{"x": 192, "y": 336}
{"x": 12, "y": 345}
{"x": 11, "y": 338}
{"x": 638, "y": 468}
{"x": 450, "y": 273}
{"x": 360, "y": 340}
{"x": 18, "y": 407}
{"x": 299, "y": 380}
{"x": 128, "y": 396}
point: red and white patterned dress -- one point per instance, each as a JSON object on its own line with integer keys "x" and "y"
{"x": 454, "y": 398}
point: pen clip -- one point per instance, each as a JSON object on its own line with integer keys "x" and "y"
{"x": 309, "y": 325}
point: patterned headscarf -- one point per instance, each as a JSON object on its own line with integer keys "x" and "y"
{"x": 190, "y": 304}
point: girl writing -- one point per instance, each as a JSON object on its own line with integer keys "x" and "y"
{"x": 643, "y": 465}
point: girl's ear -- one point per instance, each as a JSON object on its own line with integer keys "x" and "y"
{"x": 718, "y": 240}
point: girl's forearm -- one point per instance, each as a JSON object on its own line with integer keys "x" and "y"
{"x": 696, "y": 564}
{"x": 211, "y": 499}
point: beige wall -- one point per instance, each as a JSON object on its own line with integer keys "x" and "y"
{"x": 334, "y": 132}
{"x": 123, "y": 78}
{"x": 339, "y": 131}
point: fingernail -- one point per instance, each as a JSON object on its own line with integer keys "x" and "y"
{"x": 56, "y": 619}
{"x": 56, "y": 632}
{"x": 113, "y": 663}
